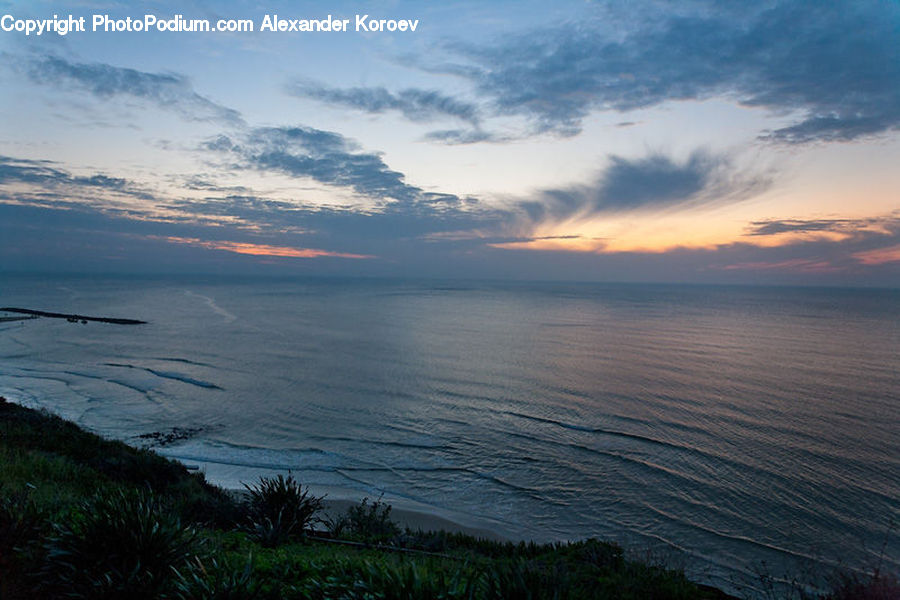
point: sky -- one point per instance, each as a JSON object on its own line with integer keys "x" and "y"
{"x": 694, "y": 141}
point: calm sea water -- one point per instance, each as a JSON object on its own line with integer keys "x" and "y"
{"x": 719, "y": 427}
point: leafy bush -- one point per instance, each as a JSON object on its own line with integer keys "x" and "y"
{"x": 370, "y": 522}
{"x": 118, "y": 544}
{"x": 280, "y": 509}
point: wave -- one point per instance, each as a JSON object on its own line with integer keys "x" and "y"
{"x": 602, "y": 430}
{"x": 185, "y": 361}
{"x": 388, "y": 443}
{"x": 168, "y": 375}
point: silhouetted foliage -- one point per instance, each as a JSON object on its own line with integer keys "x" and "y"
{"x": 280, "y": 509}
{"x": 116, "y": 545}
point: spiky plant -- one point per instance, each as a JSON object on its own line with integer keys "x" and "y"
{"x": 118, "y": 545}
{"x": 281, "y": 508}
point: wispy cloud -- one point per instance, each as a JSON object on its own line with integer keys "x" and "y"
{"x": 169, "y": 91}
{"x": 328, "y": 158}
{"x": 45, "y": 172}
{"x": 413, "y": 103}
{"x": 44, "y": 182}
{"x": 465, "y": 136}
{"x": 841, "y": 227}
{"x": 652, "y": 182}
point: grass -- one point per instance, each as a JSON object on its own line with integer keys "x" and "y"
{"x": 84, "y": 517}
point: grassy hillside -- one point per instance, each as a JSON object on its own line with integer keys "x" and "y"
{"x": 84, "y": 517}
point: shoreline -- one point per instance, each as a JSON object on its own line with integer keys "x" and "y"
{"x": 407, "y": 514}
{"x": 405, "y": 511}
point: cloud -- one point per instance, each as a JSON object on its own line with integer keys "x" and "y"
{"x": 401, "y": 213}
{"x": 328, "y": 158}
{"x": 170, "y": 91}
{"x": 819, "y": 245}
{"x": 802, "y": 265}
{"x": 775, "y": 227}
{"x": 879, "y": 256}
{"x": 842, "y": 227}
{"x": 89, "y": 240}
{"x": 397, "y": 224}
{"x": 44, "y": 173}
{"x": 414, "y": 104}
{"x": 464, "y": 136}
{"x": 246, "y": 212}
{"x": 652, "y": 182}
{"x": 30, "y": 171}
{"x": 262, "y": 249}
{"x": 832, "y": 67}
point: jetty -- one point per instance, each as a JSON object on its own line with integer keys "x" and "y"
{"x": 71, "y": 318}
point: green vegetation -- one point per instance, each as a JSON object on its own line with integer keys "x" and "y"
{"x": 83, "y": 517}
{"x": 117, "y": 544}
{"x": 366, "y": 521}
{"x": 280, "y": 510}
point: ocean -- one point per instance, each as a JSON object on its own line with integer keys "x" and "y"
{"x": 729, "y": 430}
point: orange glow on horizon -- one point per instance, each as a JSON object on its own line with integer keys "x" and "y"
{"x": 634, "y": 233}
{"x": 612, "y": 235}
{"x": 262, "y": 249}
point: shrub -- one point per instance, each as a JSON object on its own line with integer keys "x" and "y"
{"x": 371, "y": 522}
{"x": 118, "y": 544}
{"x": 280, "y": 508}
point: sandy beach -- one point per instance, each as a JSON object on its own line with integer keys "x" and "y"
{"x": 416, "y": 519}
{"x": 406, "y": 513}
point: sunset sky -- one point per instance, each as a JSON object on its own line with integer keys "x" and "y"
{"x": 736, "y": 142}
